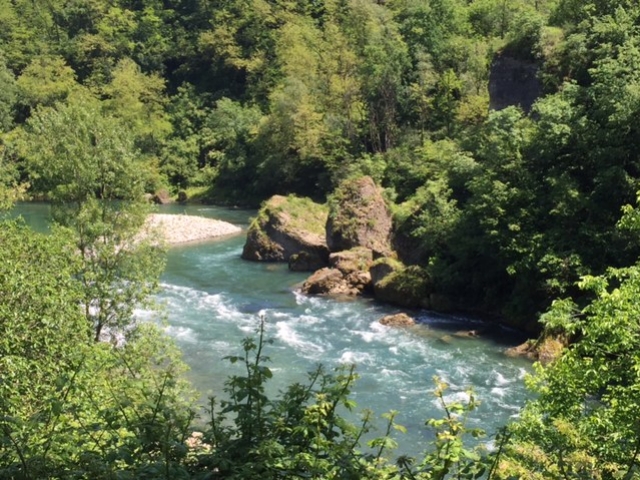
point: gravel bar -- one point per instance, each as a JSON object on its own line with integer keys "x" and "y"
{"x": 177, "y": 229}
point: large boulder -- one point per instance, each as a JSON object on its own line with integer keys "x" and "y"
{"x": 307, "y": 261}
{"x": 359, "y": 217}
{"x": 328, "y": 281}
{"x": 383, "y": 267}
{"x": 545, "y": 349}
{"x": 288, "y": 226}
{"x": 162, "y": 197}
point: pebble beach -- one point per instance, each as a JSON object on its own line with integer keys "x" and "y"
{"x": 178, "y": 229}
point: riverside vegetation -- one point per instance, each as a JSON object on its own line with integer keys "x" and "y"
{"x": 525, "y": 216}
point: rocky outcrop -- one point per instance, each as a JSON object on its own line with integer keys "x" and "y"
{"x": 307, "y": 262}
{"x": 397, "y": 320}
{"x": 286, "y": 227}
{"x": 406, "y": 287}
{"x": 348, "y": 274}
{"x": 327, "y": 281}
{"x": 513, "y": 82}
{"x": 350, "y": 261}
{"x": 382, "y": 268}
{"x": 359, "y": 217}
{"x": 545, "y": 350}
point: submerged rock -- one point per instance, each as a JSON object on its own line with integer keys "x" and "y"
{"x": 359, "y": 217}
{"x": 397, "y": 320}
{"x": 288, "y": 226}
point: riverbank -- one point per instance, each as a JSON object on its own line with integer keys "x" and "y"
{"x": 180, "y": 229}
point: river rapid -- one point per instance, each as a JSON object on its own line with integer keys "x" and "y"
{"x": 213, "y": 299}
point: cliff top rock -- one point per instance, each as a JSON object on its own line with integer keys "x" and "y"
{"x": 358, "y": 217}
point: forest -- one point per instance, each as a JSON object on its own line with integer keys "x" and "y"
{"x": 525, "y": 213}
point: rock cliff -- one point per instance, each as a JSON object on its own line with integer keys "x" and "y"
{"x": 359, "y": 217}
{"x": 513, "y": 82}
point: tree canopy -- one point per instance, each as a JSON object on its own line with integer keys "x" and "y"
{"x": 512, "y": 212}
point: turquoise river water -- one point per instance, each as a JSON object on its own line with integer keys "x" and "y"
{"x": 213, "y": 299}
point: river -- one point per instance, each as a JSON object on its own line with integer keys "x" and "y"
{"x": 213, "y": 299}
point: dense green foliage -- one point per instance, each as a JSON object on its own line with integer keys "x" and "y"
{"x": 237, "y": 100}
{"x": 501, "y": 211}
{"x": 71, "y": 407}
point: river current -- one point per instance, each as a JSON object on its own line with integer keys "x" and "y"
{"x": 213, "y": 300}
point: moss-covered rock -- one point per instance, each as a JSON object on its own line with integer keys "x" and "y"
{"x": 348, "y": 274}
{"x": 305, "y": 261}
{"x": 546, "y": 349}
{"x": 358, "y": 217}
{"x": 287, "y": 226}
{"x": 383, "y": 267}
{"x": 349, "y": 261}
{"x": 407, "y": 287}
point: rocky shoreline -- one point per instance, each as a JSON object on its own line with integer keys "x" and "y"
{"x": 179, "y": 229}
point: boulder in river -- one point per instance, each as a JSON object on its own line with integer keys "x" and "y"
{"x": 383, "y": 267}
{"x": 348, "y": 274}
{"x": 328, "y": 281}
{"x": 359, "y": 217}
{"x": 397, "y": 320}
{"x": 349, "y": 261}
{"x": 307, "y": 261}
{"x": 287, "y": 226}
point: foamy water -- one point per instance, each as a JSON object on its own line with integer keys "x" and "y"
{"x": 214, "y": 299}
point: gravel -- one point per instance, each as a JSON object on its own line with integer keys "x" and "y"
{"x": 177, "y": 229}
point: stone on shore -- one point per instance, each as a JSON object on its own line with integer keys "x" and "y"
{"x": 162, "y": 197}
{"x": 177, "y": 229}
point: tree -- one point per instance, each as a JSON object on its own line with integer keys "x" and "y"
{"x": 138, "y": 100}
{"x": 46, "y": 80}
{"x": 84, "y": 162}
{"x": 584, "y": 422}
{"x": 71, "y": 407}
{"x": 8, "y": 96}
